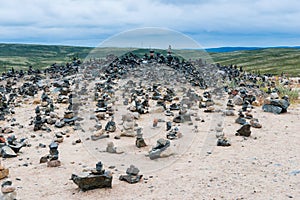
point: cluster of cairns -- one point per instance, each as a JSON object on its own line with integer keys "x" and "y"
{"x": 247, "y": 95}
{"x": 44, "y": 113}
{"x": 138, "y": 96}
{"x": 147, "y": 89}
{"x": 98, "y": 177}
{"x": 17, "y": 88}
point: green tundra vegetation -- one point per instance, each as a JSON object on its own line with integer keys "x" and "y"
{"x": 266, "y": 60}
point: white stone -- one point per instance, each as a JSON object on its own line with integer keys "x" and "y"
{"x": 274, "y": 95}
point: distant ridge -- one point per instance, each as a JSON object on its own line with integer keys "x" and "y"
{"x": 231, "y": 49}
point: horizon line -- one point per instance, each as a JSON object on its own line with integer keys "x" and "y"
{"x": 89, "y": 46}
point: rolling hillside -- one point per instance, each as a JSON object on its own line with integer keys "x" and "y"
{"x": 21, "y": 56}
{"x": 264, "y": 60}
{"x": 269, "y": 60}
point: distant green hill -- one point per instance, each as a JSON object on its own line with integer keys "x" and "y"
{"x": 268, "y": 60}
{"x": 21, "y": 56}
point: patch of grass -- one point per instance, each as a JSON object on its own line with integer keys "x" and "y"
{"x": 293, "y": 94}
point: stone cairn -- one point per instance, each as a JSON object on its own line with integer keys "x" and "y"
{"x": 95, "y": 178}
{"x": 132, "y": 175}
{"x": 140, "y": 142}
{"x": 174, "y": 134}
{"x": 52, "y": 158}
{"x": 275, "y": 105}
{"x": 111, "y": 125}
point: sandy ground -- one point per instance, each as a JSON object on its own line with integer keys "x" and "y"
{"x": 258, "y": 167}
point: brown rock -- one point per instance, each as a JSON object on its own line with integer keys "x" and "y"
{"x": 8, "y": 189}
{"x": 256, "y": 103}
{"x": 36, "y": 101}
{"x": 44, "y": 159}
{"x": 267, "y": 101}
{"x": 3, "y": 172}
{"x": 53, "y": 163}
{"x": 44, "y": 103}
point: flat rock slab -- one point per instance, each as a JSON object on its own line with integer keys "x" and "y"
{"x": 272, "y": 109}
{"x": 131, "y": 178}
{"x": 7, "y": 152}
{"x": 86, "y": 181}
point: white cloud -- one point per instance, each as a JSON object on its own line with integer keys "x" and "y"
{"x": 71, "y": 20}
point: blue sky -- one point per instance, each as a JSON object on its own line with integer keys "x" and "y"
{"x": 211, "y": 23}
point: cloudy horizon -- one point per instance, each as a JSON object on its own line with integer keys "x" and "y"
{"x": 214, "y": 23}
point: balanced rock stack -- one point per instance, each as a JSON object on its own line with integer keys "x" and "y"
{"x": 140, "y": 142}
{"x": 38, "y": 122}
{"x": 132, "y": 175}
{"x": 174, "y": 134}
{"x": 69, "y": 117}
{"x": 230, "y": 108}
{"x": 128, "y": 123}
{"x": 96, "y": 178}
{"x": 275, "y": 105}
{"x": 52, "y": 158}
{"x": 111, "y": 125}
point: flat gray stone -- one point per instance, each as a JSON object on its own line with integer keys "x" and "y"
{"x": 7, "y": 152}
